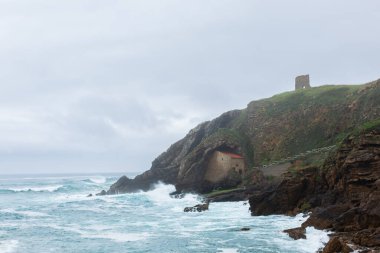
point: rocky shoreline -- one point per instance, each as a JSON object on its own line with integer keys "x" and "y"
{"x": 343, "y": 195}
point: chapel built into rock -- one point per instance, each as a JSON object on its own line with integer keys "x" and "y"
{"x": 222, "y": 164}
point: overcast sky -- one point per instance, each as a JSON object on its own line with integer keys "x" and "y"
{"x": 106, "y": 85}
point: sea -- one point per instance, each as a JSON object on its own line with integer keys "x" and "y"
{"x": 53, "y": 213}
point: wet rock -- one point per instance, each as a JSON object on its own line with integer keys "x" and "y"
{"x": 197, "y": 208}
{"x": 245, "y": 229}
{"x": 102, "y": 193}
{"x": 324, "y": 218}
{"x": 336, "y": 245}
{"x": 296, "y": 233}
{"x": 89, "y": 195}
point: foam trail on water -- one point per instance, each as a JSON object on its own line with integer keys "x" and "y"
{"x": 117, "y": 237}
{"x": 227, "y": 250}
{"x": 24, "y": 213}
{"x": 8, "y": 246}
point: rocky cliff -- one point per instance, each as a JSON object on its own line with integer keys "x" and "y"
{"x": 343, "y": 194}
{"x": 267, "y": 130}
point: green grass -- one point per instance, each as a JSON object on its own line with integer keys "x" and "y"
{"x": 324, "y": 93}
{"x": 368, "y": 126}
{"x": 316, "y": 96}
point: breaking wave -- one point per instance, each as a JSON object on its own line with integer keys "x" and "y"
{"x": 46, "y": 188}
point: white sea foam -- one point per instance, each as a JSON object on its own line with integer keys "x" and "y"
{"x": 160, "y": 193}
{"x": 25, "y": 213}
{"x": 98, "y": 179}
{"x": 161, "y": 196}
{"x": 315, "y": 239}
{"x": 8, "y": 246}
{"x": 117, "y": 237}
{"x": 227, "y": 250}
{"x": 45, "y": 188}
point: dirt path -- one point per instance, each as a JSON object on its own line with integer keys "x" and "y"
{"x": 275, "y": 170}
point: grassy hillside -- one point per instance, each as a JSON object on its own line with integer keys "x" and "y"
{"x": 294, "y": 122}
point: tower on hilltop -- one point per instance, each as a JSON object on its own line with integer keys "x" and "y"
{"x": 302, "y": 82}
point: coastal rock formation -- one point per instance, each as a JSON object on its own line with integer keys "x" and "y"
{"x": 345, "y": 192}
{"x": 296, "y": 233}
{"x": 267, "y": 130}
{"x": 197, "y": 208}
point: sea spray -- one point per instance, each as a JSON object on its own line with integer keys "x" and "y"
{"x": 66, "y": 220}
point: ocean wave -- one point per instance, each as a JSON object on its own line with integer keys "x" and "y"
{"x": 8, "y": 246}
{"x": 160, "y": 194}
{"x": 315, "y": 239}
{"x": 96, "y": 180}
{"x": 23, "y": 213}
{"x": 46, "y": 188}
{"x": 102, "y": 232}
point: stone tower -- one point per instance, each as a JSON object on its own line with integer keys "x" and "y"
{"x": 302, "y": 82}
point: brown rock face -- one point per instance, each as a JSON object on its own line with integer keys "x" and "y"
{"x": 289, "y": 196}
{"x": 336, "y": 245}
{"x": 296, "y": 233}
{"x": 345, "y": 192}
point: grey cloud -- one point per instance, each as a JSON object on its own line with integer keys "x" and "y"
{"x": 108, "y": 85}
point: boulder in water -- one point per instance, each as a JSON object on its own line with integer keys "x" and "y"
{"x": 197, "y": 208}
{"x": 296, "y": 233}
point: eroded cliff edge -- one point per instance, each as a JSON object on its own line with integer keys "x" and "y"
{"x": 267, "y": 130}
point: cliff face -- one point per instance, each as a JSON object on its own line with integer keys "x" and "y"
{"x": 344, "y": 193}
{"x": 267, "y": 130}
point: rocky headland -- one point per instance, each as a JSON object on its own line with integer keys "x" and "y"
{"x": 276, "y": 136}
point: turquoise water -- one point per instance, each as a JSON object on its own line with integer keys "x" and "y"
{"x": 53, "y": 214}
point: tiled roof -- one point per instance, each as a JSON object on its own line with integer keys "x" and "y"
{"x": 232, "y": 155}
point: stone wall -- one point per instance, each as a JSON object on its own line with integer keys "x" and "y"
{"x": 220, "y": 165}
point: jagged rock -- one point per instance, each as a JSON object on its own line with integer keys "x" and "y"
{"x": 325, "y": 218}
{"x": 286, "y": 196}
{"x": 296, "y": 233}
{"x": 103, "y": 192}
{"x": 197, "y": 208}
{"x": 335, "y": 245}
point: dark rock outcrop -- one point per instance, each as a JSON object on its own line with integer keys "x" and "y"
{"x": 197, "y": 208}
{"x": 296, "y": 233}
{"x": 344, "y": 193}
{"x": 336, "y": 245}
